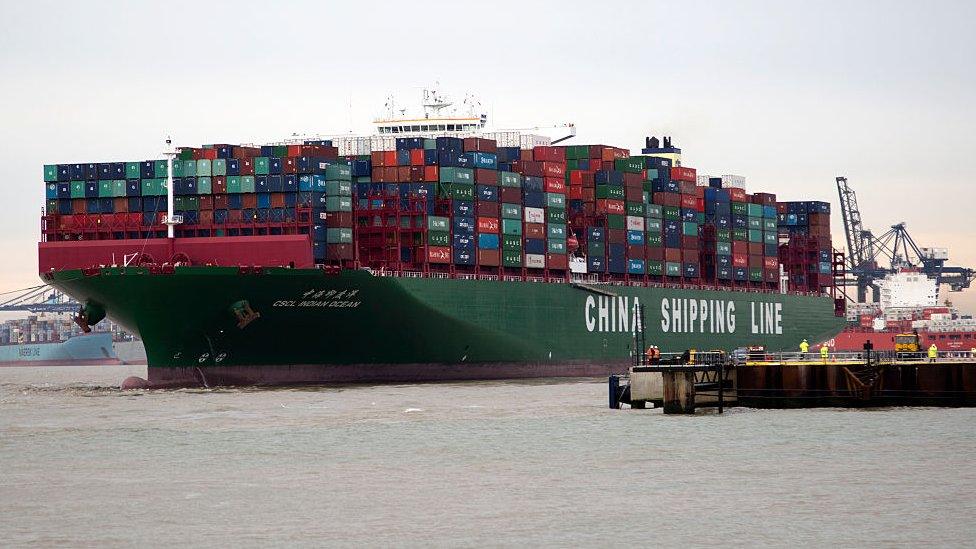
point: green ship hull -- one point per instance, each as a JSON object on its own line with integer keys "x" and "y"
{"x": 227, "y": 326}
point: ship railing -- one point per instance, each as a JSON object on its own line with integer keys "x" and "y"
{"x": 511, "y": 278}
{"x": 487, "y": 277}
{"x": 535, "y": 279}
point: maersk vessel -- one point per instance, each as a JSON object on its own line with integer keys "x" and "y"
{"x": 94, "y": 349}
{"x": 536, "y": 268}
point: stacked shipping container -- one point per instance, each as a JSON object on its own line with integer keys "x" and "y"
{"x": 806, "y": 254}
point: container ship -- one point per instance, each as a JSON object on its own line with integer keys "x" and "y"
{"x": 908, "y": 306}
{"x": 432, "y": 250}
{"x": 94, "y": 349}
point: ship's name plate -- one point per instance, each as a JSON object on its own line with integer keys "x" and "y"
{"x": 681, "y": 315}
{"x": 331, "y": 299}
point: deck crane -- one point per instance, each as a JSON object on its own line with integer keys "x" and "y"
{"x": 896, "y": 246}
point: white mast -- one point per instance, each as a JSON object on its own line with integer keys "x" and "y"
{"x": 171, "y": 219}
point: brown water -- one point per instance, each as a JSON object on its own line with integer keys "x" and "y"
{"x": 464, "y": 464}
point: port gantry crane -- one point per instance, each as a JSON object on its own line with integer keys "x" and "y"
{"x": 896, "y": 246}
{"x": 37, "y": 299}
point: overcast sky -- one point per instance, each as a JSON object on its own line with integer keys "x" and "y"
{"x": 788, "y": 94}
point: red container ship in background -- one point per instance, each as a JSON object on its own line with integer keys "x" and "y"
{"x": 908, "y": 304}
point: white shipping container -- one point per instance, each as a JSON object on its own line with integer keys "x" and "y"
{"x": 535, "y": 261}
{"x": 635, "y": 223}
{"x": 534, "y": 215}
{"x": 736, "y": 181}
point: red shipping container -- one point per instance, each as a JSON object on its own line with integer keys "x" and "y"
{"x": 635, "y": 251}
{"x": 288, "y": 165}
{"x": 295, "y": 150}
{"x": 339, "y": 252}
{"x": 488, "y": 225}
{"x": 700, "y": 192}
{"x": 574, "y": 192}
{"x": 479, "y": 144}
{"x": 277, "y": 200}
{"x": 740, "y": 260}
{"x": 700, "y": 204}
{"x": 439, "y": 254}
{"x": 559, "y": 262}
{"x": 389, "y": 158}
{"x": 485, "y": 177}
{"x": 771, "y": 262}
{"x": 755, "y": 261}
{"x": 376, "y": 158}
{"x": 737, "y": 195}
{"x": 402, "y": 174}
{"x": 633, "y": 195}
{"x": 416, "y": 157}
{"x": 672, "y": 255}
{"x": 338, "y": 219}
{"x": 609, "y": 206}
{"x": 589, "y": 180}
{"x": 487, "y": 209}
{"x": 510, "y": 195}
{"x": 431, "y": 173}
{"x": 740, "y": 248}
{"x": 246, "y": 166}
{"x": 755, "y": 248}
{"x": 589, "y": 195}
{"x": 534, "y": 230}
{"x": 78, "y": 206}
{"x": 489, "y": 258}
{"x": 525, "y": 155}
{"x": 575, "y": 177}
{"x": 206, "y": 217}
{"x": 553, "y": 169}
{"x": 689, "y": 256}
{"x": 220, "y": 201}
{"x": 235, "y": 216}
{"x": 549, "y": 154}
{"x": 617, "y": 236}
{"x": 688, "y": 201}
{"x": 689, "y": 242}
{"x": 416, "y": 173}
{"x": 782, "y": 207}
{"x": 249, "y": 200}
{"x": 667, "y": 199}
{"x": 680, "y": 173}
{"x": 134, "y": 219}
{"x": 633, "y": 180}
{"x": 206, "y": 202}
{"x": 219, "y": 185}
{"x": 554, "y": 185}
{"x": 120, "y": 204}
{"x": 655, "y": 254}
{"x": 688, "y": 187}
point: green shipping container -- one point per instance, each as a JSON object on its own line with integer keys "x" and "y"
{"x": 51, "y": 206}
{"x": 233, "y": 184}
{"x": 149, "y": 187}
{"x": 512, "y": 258}
{"x": 77, "y": 189}
{"x": 338, "y": 172}
{"x": 512, "y": 227}
{"x": 133, "y": 170}
{"x": 261, "y": 165}
{"x": 429, "y": 145}
{"x": 338, "y": 188}
{"x": 105, "y": 189}
{"x": 571, "y": 164}
{"x": 185, "y": 154}
{"x": 654, "y": 210}
{"x": 652, "y": 174}
{"x": 654, "y": 240}
{"x": 596, "y": 248}
{"x": 689, "y": 228}
{"x": 672, "y": 213}
{"x": 191, "y": 203}
{"x": 509, "y": 179}
{"x": 160, "y": 168}
{"x": 723, "y": 235}
{"x": 770, "y": 238}
{"x": 755, "y": 223}
{"x": 635, "y": 209}
{"x": 179, "y": 203}
{"x": 740, "y": 235}
{"x": 457, "y": 191}
{"x": 512, "y": 242}
{"x": 608, "y": 191}
{"x": 511, "y": 211}
{"x": 437, "y": 223}
{"x": 616, "y": 221}
{"x": 247, "y": 183}
{"x": 556, "y": 215}
{"x": 672, "y": 269}
{"x": 556, "y": 246}
{"x": 280, "y": 151}
{"x": 555, "y": 200}
{"x": 338, "y": 204}
{"x": 755, "y": 275}
{"x": 653, "y": 225}
{"x": 755, "y": 236}
{"x": 218, "y": 167}
{"x": 738, "y": 208}
{"x": 556, "y": 231}
{"x": 118, "y": 188}
{"x": 204, "y": 185}
{"x": 204, "y": 168}
{"x": 177, "y": 167}
{"x": 769, "y": 225}
{"x": 50, "y": 173}
{"x": 189, "y": 168}
{"x": 457, "y": 175}
{"x": 754, "y": 210}
{"x": 655, "y": 268}
{"x": 439, "y": 238}
{"x": 723, "y": 248}
{"x": 633, "y": 164}
{"x": 343, "y": 235}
